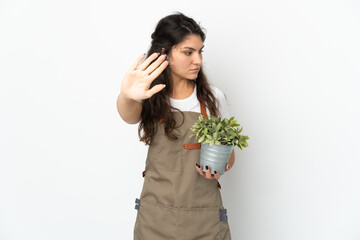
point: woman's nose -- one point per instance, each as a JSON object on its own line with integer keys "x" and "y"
{"x": 197, "y": 59}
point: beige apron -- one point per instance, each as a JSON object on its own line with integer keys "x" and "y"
{"x": 176, "y": 202}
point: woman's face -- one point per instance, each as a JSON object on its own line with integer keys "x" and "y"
{"x": 186, "y": 57}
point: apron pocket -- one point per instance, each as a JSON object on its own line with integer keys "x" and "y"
{"x": 224, "y": 231}
{"x": 155, "y": 222}
{"x": 199, "y": 224}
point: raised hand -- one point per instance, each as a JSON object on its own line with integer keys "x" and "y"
{"x": 136, "y": 82}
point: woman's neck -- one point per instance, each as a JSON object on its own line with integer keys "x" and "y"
{"x": 182, "y": 88}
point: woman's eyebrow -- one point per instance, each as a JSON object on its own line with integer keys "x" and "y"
{"x": 193, "y": 48}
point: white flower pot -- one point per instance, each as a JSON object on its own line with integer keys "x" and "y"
{"x": 215, "y": 157}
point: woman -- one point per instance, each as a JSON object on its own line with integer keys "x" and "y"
{"x": 166, "y": 92}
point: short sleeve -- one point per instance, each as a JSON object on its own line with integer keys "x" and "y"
{"x": 223, "y": 104}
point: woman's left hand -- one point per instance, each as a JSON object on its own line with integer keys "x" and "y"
{"x": 207, "y": 174}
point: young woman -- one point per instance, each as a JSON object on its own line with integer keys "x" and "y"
{"x": 167, "y": 92}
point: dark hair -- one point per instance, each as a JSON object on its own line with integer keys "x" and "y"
{"x": 171, "y": 30}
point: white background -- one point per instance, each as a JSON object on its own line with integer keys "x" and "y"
{"x": 70, "y": 168}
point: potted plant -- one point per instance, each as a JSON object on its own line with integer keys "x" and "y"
{"x": 218, "y": 137}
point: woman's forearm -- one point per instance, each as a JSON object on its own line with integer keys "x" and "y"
{"x": 129, "y": 110}
{"x": 232, "y": 159}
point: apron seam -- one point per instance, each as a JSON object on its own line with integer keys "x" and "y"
{"x": 182, "y": 209}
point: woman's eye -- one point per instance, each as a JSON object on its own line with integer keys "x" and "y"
{"x": 190, "y": 52}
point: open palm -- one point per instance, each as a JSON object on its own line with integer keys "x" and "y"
{"x": 138, "y": 78}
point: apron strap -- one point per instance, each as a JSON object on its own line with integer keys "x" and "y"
{"x": 203, "y": 110}
{"x": 196, "y": 145}
{"x": 192, "y": 146}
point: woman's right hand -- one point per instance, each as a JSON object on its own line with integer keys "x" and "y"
{"x": 136, "y": 82}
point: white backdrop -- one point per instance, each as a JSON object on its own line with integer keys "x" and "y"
{"x": 70, "y": 168}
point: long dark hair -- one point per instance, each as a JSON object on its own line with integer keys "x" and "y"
{"x": 170, "y": 31}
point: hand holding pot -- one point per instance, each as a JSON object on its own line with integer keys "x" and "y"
{"x": 207, "y": 174}
{"x": 218, "y": 137}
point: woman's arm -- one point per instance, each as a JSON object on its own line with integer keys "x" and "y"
{"x": 135, "y": 86}
{"x": 129, "y": 110}
{"x": 231, "y": 161}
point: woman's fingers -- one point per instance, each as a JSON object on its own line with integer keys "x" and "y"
{"x": 207, "y": 174}
{"x": 137, "y": 62}
{"x": 155, "y": 89}
{"x": 216, "y": 175}
{"x": 141, "y": 74}
{"x": 147, "y": 61}
{"x": 198, "y": 169}
{"x": 158, "y": 70}
{"x": 228, "y": 167}
{"x": 155, "y": 64}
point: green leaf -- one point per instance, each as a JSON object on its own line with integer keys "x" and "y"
{"x": 218, "y": 127}
{"x": 214, "y": 130}
{"x": 215, "y": 135}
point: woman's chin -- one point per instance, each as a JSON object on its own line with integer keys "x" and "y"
{"x": 193, "y": 76}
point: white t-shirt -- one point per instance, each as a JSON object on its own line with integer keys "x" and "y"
{"x": 192, "y": 104}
